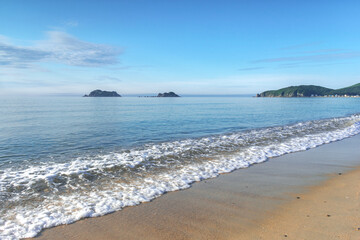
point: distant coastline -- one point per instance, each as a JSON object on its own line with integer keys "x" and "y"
{"x": 312, "y": 91}
{"x": 288, "y": 92}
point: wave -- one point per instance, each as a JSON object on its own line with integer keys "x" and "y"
{"x": 40, "y": 196}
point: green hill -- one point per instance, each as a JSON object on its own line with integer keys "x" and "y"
{"x": 311, "y": 91}
{"x": 351, "y": 91}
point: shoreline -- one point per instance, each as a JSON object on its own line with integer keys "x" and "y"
{"x": 226, "y": 207}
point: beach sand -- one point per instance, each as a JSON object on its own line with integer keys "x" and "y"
{"x": 296, "y": 196}
{"x": 327, "y": 211}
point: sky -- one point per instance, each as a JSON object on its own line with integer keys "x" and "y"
{"x": 189, "y": 47}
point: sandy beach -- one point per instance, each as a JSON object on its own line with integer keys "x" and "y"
{"x": 179, "y": 120}
{"x": 306, "y": 195}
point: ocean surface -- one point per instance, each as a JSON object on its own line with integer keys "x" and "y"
{"x": 66, "y": 158}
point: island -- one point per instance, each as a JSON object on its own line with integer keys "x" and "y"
{"x": 100, "y": 93}
{"x": 168, "y": 94}
{"x": 312, "y": 91}
{"x": 165, "y": 94}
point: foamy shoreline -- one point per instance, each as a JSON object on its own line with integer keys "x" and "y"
{"x": 221, "y": 208}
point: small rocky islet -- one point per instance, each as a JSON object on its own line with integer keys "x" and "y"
{"x": 165, "y": 94}
{"x": 168, "y": 94}
{"x": 100, "y": 93}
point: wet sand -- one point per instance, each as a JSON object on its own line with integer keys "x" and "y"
{"x": 296, "y": 196}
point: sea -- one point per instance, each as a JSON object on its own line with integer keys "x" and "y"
{"x": 65, "y": 158}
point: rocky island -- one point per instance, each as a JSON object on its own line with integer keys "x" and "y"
{"x": 100, "y": 93}
{"x": 168, "y": 94}
{"x": 165, "y": 94}
{"x": 312, "y": 91}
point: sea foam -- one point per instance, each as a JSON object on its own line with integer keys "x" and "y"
{"x": 35, "y": 197}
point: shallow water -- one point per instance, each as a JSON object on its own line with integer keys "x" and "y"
{"x": 65, "y": 158}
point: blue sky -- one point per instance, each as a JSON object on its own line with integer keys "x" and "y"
{"x": 190, "y": 47}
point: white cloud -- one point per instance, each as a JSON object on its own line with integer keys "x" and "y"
{"x": 108, "y": 78}
{"x": 312, "y": 58}
{"x": 59, "y": 47}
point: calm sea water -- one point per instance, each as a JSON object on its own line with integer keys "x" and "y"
{"x": 65, "y": 158}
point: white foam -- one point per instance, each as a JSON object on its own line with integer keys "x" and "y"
{"x": 140, "y": 175}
